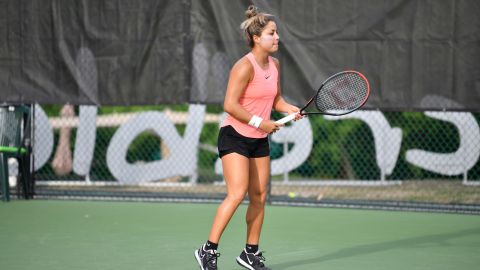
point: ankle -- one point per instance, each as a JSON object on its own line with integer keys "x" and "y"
{"x": 210, "y": 246}
{"x": 251, "y": 248}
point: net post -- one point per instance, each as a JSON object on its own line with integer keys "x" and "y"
{"x": 382, "y": 165}
{"x": 285, "y": 151}
{"x": 194, "y": 178}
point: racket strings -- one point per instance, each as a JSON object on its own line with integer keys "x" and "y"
{"x": 344, "y": 92}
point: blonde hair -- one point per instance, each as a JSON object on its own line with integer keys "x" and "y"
{"x": 255, "y": 23}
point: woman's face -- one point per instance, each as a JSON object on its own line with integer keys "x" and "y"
{"x": 269, "y": 38}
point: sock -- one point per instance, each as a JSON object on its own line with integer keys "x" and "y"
{"x": 251, "y": 248}
{"x": 210, "y": 245}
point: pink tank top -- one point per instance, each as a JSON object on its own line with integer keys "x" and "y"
{"x": 257, "y": 98}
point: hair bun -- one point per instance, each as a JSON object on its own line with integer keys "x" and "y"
{"x": 252, "y": 11}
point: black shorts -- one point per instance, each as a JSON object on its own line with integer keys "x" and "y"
{"x": 230, "y": 141}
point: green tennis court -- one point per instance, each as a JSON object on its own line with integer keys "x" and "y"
{"x": 127, "y": 235}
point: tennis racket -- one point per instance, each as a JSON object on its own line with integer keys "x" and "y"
{"x": 340, "y": 94}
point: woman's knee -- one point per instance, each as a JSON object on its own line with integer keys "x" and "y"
{"x": 258, "y": 198}
{"x": 235, "y": 198}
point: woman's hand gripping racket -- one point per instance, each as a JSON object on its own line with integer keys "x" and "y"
{"x": 340, "y": 94}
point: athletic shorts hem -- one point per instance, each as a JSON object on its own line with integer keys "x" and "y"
{"x": 224, "y": 153}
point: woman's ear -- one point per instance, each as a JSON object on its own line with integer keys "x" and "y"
{"x": 256, "y": 39}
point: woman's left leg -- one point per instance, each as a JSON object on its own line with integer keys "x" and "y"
{"x": 259, "y": 173}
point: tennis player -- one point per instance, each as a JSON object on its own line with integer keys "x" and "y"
{"x": 253, "y": 90}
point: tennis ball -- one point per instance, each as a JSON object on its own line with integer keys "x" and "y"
{"x": 292, "y": 194}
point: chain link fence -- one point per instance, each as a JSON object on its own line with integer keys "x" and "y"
{"x": 157, "y": 153}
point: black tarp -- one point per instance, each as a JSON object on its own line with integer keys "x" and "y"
{"x": 93, "y": 52}
{"x": 417, "y": 54}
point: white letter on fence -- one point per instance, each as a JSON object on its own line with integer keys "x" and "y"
{"x": 183, "y": 152}
{"x": 300, "y": 134}
{"x": 387, "y": 139}
{"x": 43, "y": 141}
{"x": 452, "y": 163}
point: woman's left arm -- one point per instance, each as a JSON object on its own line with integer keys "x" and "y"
{"x": 279, "y": 104}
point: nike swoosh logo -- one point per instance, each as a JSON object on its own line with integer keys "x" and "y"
{"x": 250, "y": 262}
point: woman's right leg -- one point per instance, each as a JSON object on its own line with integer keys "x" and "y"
{"x": 235, "y": 172}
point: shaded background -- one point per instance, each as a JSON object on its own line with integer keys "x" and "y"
{"x": 417, "y": 54}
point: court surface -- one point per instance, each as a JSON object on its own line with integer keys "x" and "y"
{"x": 128, "y": 235}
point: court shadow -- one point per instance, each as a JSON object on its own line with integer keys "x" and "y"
{"x": 439, "y": 239}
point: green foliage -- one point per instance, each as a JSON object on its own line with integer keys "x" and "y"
{"x": 145, "y": 148}
{"x": 340, "y": 151}
{"x": 52, "y": 110}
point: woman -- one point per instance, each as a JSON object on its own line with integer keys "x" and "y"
{"x": 253, "y": 90}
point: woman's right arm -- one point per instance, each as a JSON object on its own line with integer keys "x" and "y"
{"x": 241, "y": 73}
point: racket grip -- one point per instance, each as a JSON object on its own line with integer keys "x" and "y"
{"x": 286, "y": 119}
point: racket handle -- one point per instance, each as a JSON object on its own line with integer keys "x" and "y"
{"x": 286, "y": 119}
